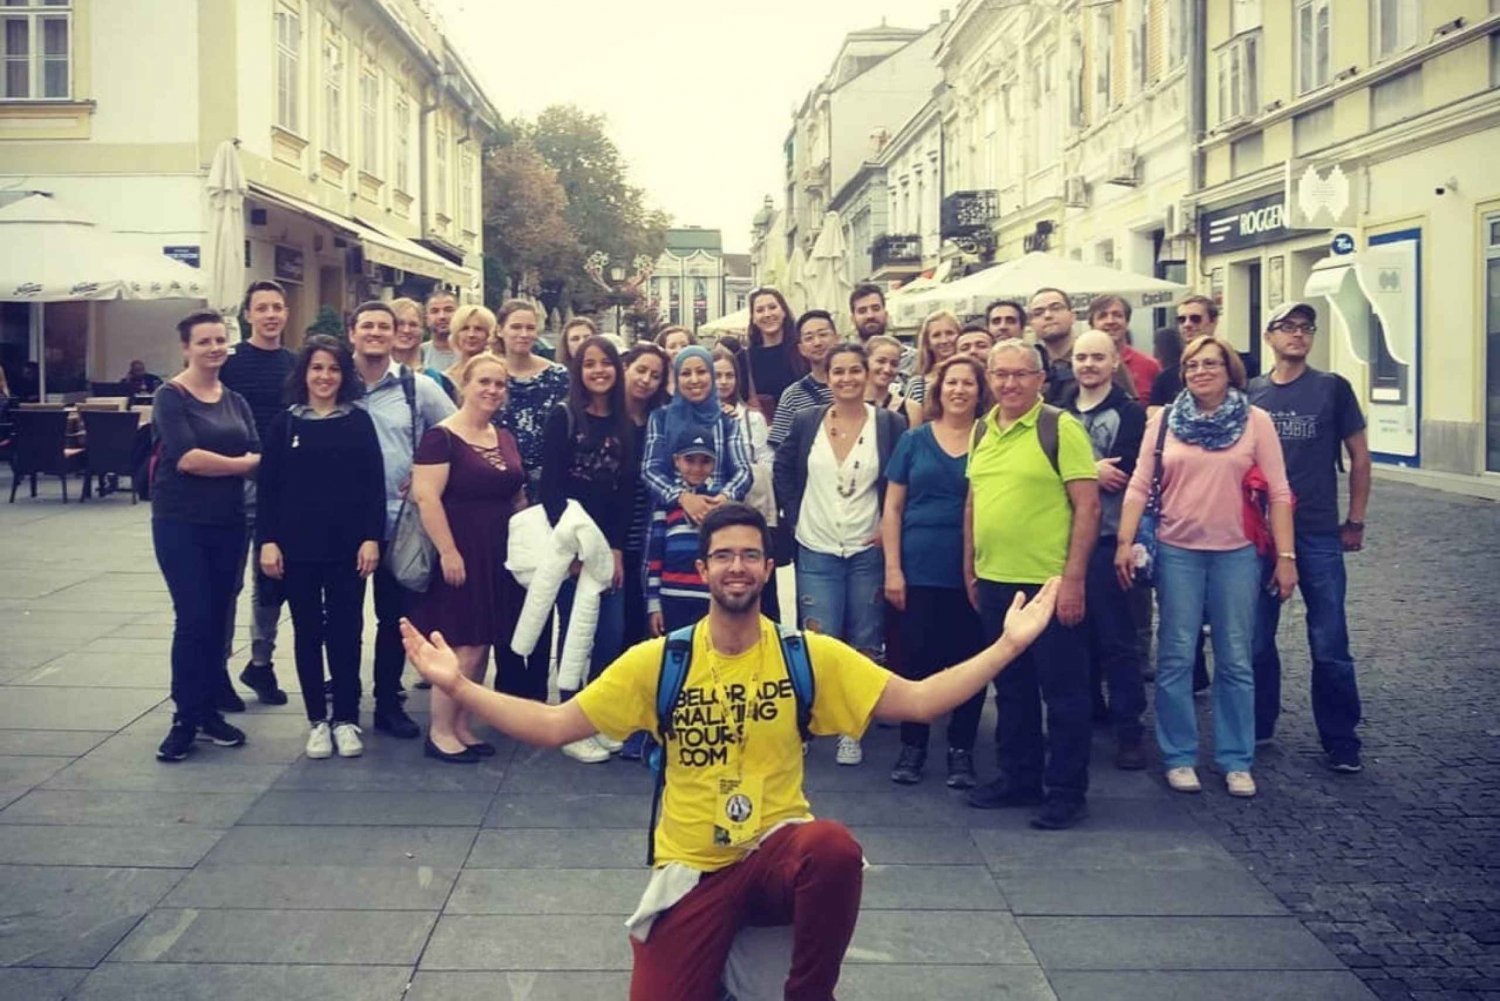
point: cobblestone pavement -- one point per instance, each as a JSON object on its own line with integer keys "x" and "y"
{"x": 1397, "y": 870}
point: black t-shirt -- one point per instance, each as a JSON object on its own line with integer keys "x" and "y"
{"x": 592, "y": 467}
{"x": 1166, "y": 386}
{"x": 1313, "y": 415}
{"x": 259, "y": 375}
{"x": 180, "y": 422}
{"x": 772, "y": 370}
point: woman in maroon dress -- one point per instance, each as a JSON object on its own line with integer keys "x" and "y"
{"x": 467, "y": 480}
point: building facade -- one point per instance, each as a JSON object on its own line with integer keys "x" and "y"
{"x": 690, "y": 280}
{"x": 359, "y": 131}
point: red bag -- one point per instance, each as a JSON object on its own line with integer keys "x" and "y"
{"x": 1256, "y": 503}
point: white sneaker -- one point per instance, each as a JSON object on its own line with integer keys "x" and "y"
{"x": 346, "y": 736}
{"x": 1183, "y": 779}
{"x": 319, "y": 742}
{"x": 586, "y": 750}
{"x": 610, "y": 744}
{"x": 849, "y": 752}
{"x": 1239, "y": 784}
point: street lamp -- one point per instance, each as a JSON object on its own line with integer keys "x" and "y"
{"x": 620, "y": 286}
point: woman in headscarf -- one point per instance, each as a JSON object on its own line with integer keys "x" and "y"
{"x": 695, "y": 406}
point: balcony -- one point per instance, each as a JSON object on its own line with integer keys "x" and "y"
{"x": 896, "y": 255}
{"x": 968, "y": 214}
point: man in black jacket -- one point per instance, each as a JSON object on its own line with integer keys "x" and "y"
{"x": 1115, "y": 424}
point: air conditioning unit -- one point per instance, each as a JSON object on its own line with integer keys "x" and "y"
{"x": 1182, "y": 218}
{"x": 1075, "y": 192}
{"x": 1124, "y": 168}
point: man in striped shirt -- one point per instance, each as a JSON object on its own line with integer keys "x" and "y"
{"x": 816, "y": 337}
{"x": 676, "y": 593}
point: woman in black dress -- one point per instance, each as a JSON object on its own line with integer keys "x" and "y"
{"x": 467, "y": 480}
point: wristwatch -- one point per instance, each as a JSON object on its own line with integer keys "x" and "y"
{"x": 1358, "y": 526}
{"x": 1287, "y": 556}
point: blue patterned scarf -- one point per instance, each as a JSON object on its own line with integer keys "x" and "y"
{"x": 1216, "y": 431}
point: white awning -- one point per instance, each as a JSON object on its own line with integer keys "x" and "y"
{"x": 1376, "y": 281}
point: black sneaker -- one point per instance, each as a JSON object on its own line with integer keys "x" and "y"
{"x": 220, "y": 732}
{"x": 1346, "y": 762}
{"x": 392, "y": 719}
{"x": 961, "y": 769}
{"x": 1059, "y": 815}
{"x": 178, "y": 743}
{"x": 1130, "y": 754}
{"x": 909, "y": 762}
{"x": 229, "y": 701}
{"x": 1000, "y": 793}
{"x": 261, "y": 678}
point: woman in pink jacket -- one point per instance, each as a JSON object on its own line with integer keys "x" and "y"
{"x": 1206, "y": 565}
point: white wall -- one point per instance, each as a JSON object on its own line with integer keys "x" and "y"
{"x": 143, "y": 54}
{"x": 884, "y": 96}
{"x": 256, "y": 66}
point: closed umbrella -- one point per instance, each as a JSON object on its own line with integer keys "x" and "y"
{"x": 226, "y": 230}
{"x": 827, "y": 275}
{"x": 795, "y": 290}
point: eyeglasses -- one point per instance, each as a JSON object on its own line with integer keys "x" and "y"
{"x": 1288, "y": 327}
{"x": 1206, "y": 365}
{"x": 1006, "y": 375}
{"x": 1191, "y": 318}
{"x": 727, "y": 557}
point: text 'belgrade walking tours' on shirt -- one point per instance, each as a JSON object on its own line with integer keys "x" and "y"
{"x": 736, "y": 717}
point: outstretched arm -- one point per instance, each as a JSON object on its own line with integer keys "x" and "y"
{"x": 926, "y": 700}
{"x": 532, "y": 722}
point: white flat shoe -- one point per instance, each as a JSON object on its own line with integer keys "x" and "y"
{"x": 1183, "y": 779}
{"x": 1239, "y": 784}
{"x": 586, "y": 750}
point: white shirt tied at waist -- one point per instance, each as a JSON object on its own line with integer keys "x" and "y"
{"x": 841, "y": 505}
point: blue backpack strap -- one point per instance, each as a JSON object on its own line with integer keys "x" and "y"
{"x": 799, "y": 670}
{"x": 676, "y": 658}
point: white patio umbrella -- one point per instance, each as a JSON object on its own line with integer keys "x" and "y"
{"x": 226, "y": 231}
{"x": 794, "y": 288}
{"x": 827, "y": 274}
{"x": 51, "y": 253}
{"x": 730, "y": 323}
{"x": 1019, "y": 278}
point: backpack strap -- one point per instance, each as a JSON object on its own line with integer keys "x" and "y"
{"x": 977, "y": 435}
{"x": 799, "y": 670}
{"x": 409, "y": 390}
{"x": 1046, "y": 433}
{"x": 676, "y": 657}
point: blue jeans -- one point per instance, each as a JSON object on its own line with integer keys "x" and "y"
{"x": 199, "y": 563}
{"x": 1112, "y": 642}
{"x": 843, "y": 597}
{"x": 1335, "y": 692}
{"x": 608, "y": 635}
{"x": 1225, "y": 586}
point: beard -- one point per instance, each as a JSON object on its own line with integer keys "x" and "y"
{"x": 737, "y": 604}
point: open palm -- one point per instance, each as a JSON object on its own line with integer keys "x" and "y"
{"x": 433, "y": 658}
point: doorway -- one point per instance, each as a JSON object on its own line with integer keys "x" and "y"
{"x": 1252, "y": 318}
{"x": 1492, "y": 343}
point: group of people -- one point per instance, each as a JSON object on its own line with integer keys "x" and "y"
{"x": 983, "y": 499}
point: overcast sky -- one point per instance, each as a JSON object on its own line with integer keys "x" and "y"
{"x": 698, "y": 95}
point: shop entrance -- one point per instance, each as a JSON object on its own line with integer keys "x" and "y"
{"x": 1492, "y": 343}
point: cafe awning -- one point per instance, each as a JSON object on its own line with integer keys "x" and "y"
{"x": 1375, "y": 281}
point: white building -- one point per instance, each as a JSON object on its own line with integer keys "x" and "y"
{"x": 359, "y": 131}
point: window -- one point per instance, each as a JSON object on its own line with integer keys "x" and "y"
{"x": 1239, "y": 77}
{"x": 333, "y": 96}
{"x": 1396, "y": 23}
{"x": 1247, "y": 155}
{"x": 369, "y": 121}
{"x": 1495, "y": 60}
{"x": 466, "y": 191}
{"x": 1312, "y": 44}
{"x": 289, "y": 69}
{"x": 1104, "y": 45}
{"x": 1138, "y": 24}
{"x": 37, "y": 35}
{"x": 1312, "y": 130}
{"x": 403, "y": 141}
{"x": 1244, "y": 15}
{"x": 1176, "y": 14}
{"x": 1396, "y": 99}
{"x": 440, "y": 168}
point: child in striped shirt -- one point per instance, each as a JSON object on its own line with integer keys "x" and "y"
{"x": 676, "y": 594}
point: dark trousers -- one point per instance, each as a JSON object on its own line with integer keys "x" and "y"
{"x": 199, "y": 563}
{"x": 940, "y": 629}
{"x": 1055, "y": 670}
{"x": 1335, "y": 692}
{"x": 637, "y": 629}
{"x": 327, "y": 601}
{"x": 523, "y": 677}
{"x": 1113, "y": 656}
{"x": 809, "y": 876}
{"x": 390, "y": 656}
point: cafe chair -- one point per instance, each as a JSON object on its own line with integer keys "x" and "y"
{"x": 41, "y": 449}
{"x": 110, "y": 436}
{"x": 105, "y": 403}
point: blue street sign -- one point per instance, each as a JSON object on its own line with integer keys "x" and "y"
{"x": 1342, "y": 243}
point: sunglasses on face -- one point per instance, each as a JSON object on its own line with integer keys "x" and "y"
{"x": 1191, "y": 318}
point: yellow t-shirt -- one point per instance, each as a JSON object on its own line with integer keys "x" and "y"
{"x": 703, "y": 747}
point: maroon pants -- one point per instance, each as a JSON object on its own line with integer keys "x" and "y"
{"x": 806, "y": 875}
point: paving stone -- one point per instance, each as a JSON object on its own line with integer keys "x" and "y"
{"x": 315, "y": 887}
{"x": 1227, "y": 891}
{"x": 39, "y": 985}
{"x": 543, "y": 848}
{"x": 63, "y": 916}
{"x": 208, "y": 769}
{"x": 242, "y": 982}
{"x": 939, "y": 937}
{"x": 549, "y": 771}
{"x": 930, "y": 888}
{"x": 1263, "y": 985}
{"x": 568, "y": 810}
{"x": 886, "y": 982}
{"x": 1179, "y": 846}
{"x": 360, "y": 938}
{"x": 410, "y": 847}
{"x": 917, "y": 846}
{"x": 391, "y": 769}
{"x": 395, "y": 809}
{"x": 530, "y": 942}
{"x": 1196, "y": 943}
{"x": 53, "y": 743}
{"x": 20, "y": 774}
{"x": 74, "y": 708}
{"x": 127, "y": 809}
{"x": 520, "y": 985}
{"x": 552, "y": 891}
{"x": 136, "y": 847}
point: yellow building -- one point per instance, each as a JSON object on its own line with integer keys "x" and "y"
{"x": 359, "y": 132}
{"x": 1349, "y": 159}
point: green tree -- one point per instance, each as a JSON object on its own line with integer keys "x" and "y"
{"x": 525, "y": 219}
